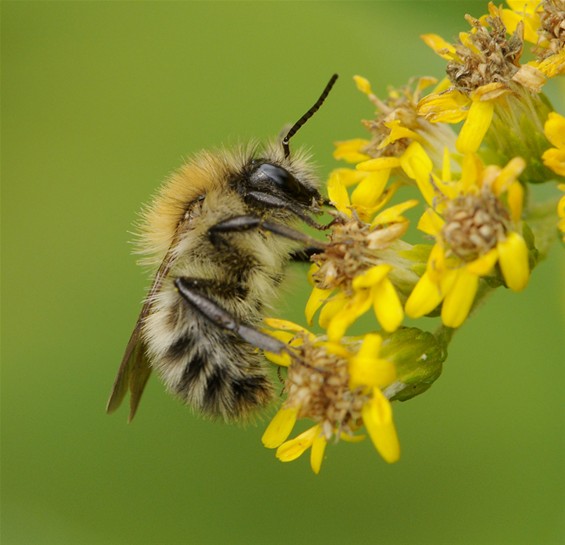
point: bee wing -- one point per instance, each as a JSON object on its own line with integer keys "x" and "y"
{"x": 135, "y": 368}
{"x": 132, "y": 375}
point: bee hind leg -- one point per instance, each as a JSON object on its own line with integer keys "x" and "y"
{"x": 190, "y": 290}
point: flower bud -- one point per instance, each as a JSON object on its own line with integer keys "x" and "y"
{"x": 417, "y": 356}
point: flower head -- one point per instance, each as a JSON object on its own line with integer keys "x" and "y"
{"x": 476, "y": 222}
{"x": 354, "y": 271}
{"x": 396, "y": 126}
{"x": 495, "y": 95}
{"x": 339, "y": 387}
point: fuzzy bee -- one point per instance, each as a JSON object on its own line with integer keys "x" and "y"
{"x": 223, "y": 229}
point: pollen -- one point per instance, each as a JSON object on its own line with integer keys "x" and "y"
{"x": 320, "y": 391}
{"x": 486, "y": 55}
{"x": 474, "y": 224}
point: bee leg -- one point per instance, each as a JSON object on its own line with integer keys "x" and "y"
{"x": 192, "y": 294}
{"x": 305, "y": 255}
{"x": 269, "y": 200}
{"x": 240, "y": 224}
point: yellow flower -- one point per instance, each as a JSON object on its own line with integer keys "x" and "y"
{"x": 352, "y": 274}
{"x": 394, "y": 129}
{"x": 340, "y": 388}
{"x": 452, "y": 106}
{"x": 554, "y": 129}
{"x": 476, "y": 222}
{"x": 485, "y": 73}
{"x": 525, "y": 11}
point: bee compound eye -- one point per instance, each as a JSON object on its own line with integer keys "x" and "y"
{"x": 284, "y": 180}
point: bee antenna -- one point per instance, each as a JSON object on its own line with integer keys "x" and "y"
{"x": 307, "y": 116}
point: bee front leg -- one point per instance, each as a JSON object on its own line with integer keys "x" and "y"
{"x": 191, "y": 291}
{"x": 240, "y": 224}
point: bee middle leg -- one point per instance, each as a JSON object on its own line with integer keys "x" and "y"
{"x": 191, "y": 290}
{"x": 239, "y": 224}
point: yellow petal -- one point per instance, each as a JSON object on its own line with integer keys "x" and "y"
{"x": 513, "y": 259}
{"x": 331, "y": 308}
{"x": 285, "y": 325}
{"x": 317, "y": 298}
{"x": 483, "y": 265}
{"x": 350, "y": 150}
{"x": 443, "y": 48}
{"x": 372, "y": 373}
{"x": 348, "y": 314}
{"x": 377, "y": 417}
{"x": 366, "y": 369}
{"x": 397, "y": 131}
{"x": 475, "y": 126}
{"x": 363, "y": 84}
{"x": 380, "y": 163}
{"x": 371, "y": 276}
{"x": 393, "y": 214}
{"x": 436, "y": 266}
{"x": 552, "y": 66}
{"x": 516, "y": 201}
{"x": 449, "y": 106}
{"x": 338, "y": 195}
{"x": 458, "y": 300}
{"x": 471, "y": 167}
{"x": 508, "y": 175}
{"x": 417, "y": 165}
{"x": 431, "y": 223}
{"x": 293, "y": 449}
{"x": 371, "y": 346}
{"x": 525, "y": 7}
{"x": 317, "y": 453}
{"x": 490, "y": 91}
{"x": 349, "y": 176}
{"x": 352, "y": 438}
{"x": 370, "y": 189}
{"x": 279, "y": 428}
{"x": 387, "y": 306}
{"x": 522, "y": 10}
{"x": 282, "y": 360}
{"x": 425, "y": 296}
{"x": 554, "y": 159}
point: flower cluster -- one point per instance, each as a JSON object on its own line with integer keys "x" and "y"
{"x": 461, "y": 153}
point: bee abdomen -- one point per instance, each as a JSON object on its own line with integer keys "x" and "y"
{"x": 227, "y": 381}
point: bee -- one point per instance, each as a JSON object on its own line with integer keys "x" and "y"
{"x": 223, "y": 230}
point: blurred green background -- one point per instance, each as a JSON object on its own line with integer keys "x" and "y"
{"x": 100, "y": 100}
